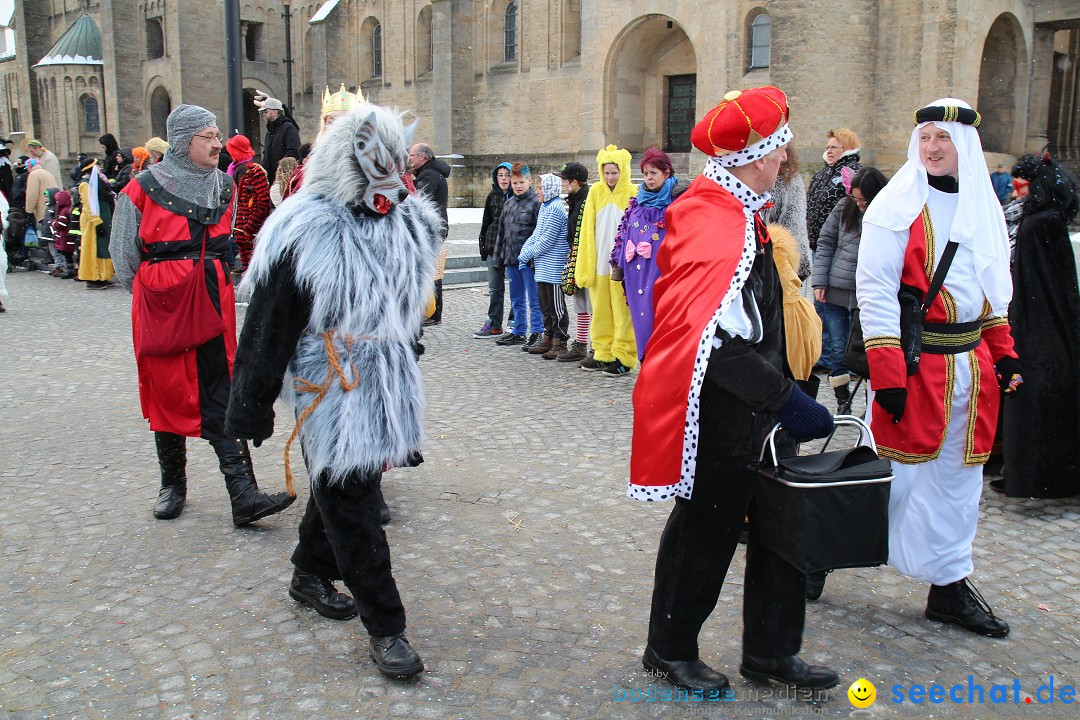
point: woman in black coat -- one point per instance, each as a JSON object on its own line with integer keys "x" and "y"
{"x": 1042, "y": 423}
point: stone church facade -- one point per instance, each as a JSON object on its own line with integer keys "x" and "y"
{"x": 546, "y": 81}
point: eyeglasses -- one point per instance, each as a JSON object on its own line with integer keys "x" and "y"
{"x": 834, "y": 147}
{"x": 210, "y": 137}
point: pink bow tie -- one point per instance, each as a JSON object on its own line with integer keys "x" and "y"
{"x": 643, "y": 248}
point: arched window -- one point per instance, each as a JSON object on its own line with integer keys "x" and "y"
{"x": 425, "y": 43}
{"x": 376, "y": 52}
{"x": 160, "y": 107}
{"x": 155, "y": 39}
{"x": 91, "y": 123}
{"x": 760, "y": 37}
{"x": 510, "y": 37}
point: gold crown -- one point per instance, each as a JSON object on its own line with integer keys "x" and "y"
{"x": 341, "y": 101}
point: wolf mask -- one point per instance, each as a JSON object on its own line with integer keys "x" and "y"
{"x": 360, "y": 159}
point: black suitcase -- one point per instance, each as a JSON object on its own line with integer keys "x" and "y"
{"x": 825, "y": 511}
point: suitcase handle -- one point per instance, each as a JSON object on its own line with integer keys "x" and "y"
{"x": 864, "y": 430}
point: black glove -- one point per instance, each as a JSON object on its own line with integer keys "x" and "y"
{"x": 1008, "y": 373}
{"x": 893, "y": 400}
{"x": 418, "y": 348}
{"x": 803, "y": 417}
{"x": 257, "y": 442}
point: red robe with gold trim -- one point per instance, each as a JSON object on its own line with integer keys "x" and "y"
{"x": 918, "y": 437}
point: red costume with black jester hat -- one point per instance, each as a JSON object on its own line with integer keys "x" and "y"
{"x": 713, "y": 382}
{"x": 937, "y": 425}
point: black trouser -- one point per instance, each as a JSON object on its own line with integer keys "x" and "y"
{"x": 341, "y": 539}
{"x": 695, "y": 550}
{"x": 553, "y": 308}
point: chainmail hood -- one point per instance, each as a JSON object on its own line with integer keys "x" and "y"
{"x": 177, "y": 173}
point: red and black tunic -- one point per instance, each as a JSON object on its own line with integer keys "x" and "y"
{"x": 186, "y": 393}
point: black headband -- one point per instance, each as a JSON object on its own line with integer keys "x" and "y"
{"x": 948, "y": 113}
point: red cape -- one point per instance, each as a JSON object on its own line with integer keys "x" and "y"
{"x": 706, "y": 234}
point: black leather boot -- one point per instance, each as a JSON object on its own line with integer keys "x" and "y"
{"x": 842, "y": 392}
{"x": 815, "y": 584}
{"x": 172, "y": 457}
{"x": 959, "y": 603}
{"x": 248, "y": 502}
{"x": 395, "y": 657}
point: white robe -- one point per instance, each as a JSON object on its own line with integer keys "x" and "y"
{"x": 934, "y": 506}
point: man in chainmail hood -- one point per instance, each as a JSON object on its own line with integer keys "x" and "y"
{"x": 168, "y": 243}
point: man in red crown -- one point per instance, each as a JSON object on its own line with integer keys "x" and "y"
{"x": 715, "y": 380}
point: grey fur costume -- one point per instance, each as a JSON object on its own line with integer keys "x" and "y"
{"x": 325, "y": 261}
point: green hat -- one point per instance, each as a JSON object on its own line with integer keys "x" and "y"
{"x": 34, "y": 143}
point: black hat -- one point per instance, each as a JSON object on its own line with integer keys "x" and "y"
{"x": 574, "y": 171}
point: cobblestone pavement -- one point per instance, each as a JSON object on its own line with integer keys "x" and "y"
{"x": 526, "y": 572}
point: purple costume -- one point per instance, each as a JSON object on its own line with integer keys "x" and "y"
{"x": 640, "y": 233}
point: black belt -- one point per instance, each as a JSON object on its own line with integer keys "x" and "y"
{"x": 158, "y": 257}
{"x": 951, "y": 338}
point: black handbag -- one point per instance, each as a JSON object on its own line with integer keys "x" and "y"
{"x": 825, "y": 511}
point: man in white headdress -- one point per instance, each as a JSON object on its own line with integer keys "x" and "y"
{"x": 935, "y": 418}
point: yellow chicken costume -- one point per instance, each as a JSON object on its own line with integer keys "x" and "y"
{"x": 611, "y": 331}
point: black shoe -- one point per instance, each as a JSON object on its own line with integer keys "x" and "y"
{"x": 815, "y": 584}
{"x": 959, "y": 603}
{"x": 998, "y": 485}
{"x": 510, "y": 339}
{"x": 428, "y": 322}
{"x": 395, "y": 657}
{"x": 591, "y": 364}
{"x": 690, "y": 674}
{"x": 615, "y": 368}
{"x": 532, "y": 342}
{"x": 789, "y": 670}
{"x": 318, "y": 592}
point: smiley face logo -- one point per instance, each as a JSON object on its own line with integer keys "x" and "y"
{"x": 862, "y": 693}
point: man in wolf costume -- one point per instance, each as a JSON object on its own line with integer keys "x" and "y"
{"x": 338, "y": 285}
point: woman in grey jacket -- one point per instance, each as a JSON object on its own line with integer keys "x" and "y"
{"x": 834, "y": 275}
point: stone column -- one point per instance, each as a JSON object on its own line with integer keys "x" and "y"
{"x": 320, "y": 72}
{"x": 1042, "y": 68}
{"x": 442, "y": 135}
